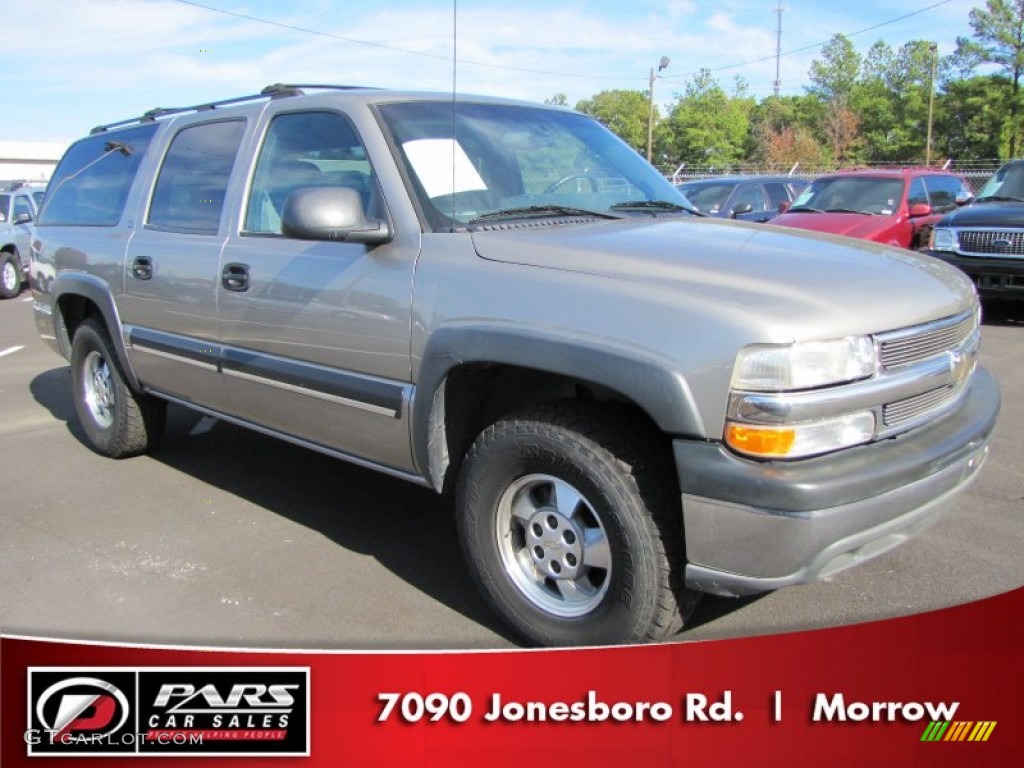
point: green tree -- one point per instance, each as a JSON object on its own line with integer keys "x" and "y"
{"x": 783, "y": 131}
{"x": 707, "y": 126}
{"x": 998, "y": 32}
{"x": 834, "y": 76}
{"x": 964, "y": 115}
{"x": 891, "y": 101}
{"x": 624, "y": 112}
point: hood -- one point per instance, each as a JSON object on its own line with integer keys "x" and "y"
{"x": 793, "y": 285}
{"x": 994, "y": 214}
{"x": 858, "y": 225}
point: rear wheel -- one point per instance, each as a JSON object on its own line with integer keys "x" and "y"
{"x": 10, "y": 275}
{"x": 117, "y": 421}
{"x": 571, "y": 529}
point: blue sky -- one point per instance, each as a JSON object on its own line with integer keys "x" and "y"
{"x": 73, "y": 64}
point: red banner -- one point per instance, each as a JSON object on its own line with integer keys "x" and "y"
{"x": 936, "y": 689}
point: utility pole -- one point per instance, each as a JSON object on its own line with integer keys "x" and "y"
{"x": 931, "y": 107}
{"x": 777, "y": 85}
{"x": 650, "y": 106}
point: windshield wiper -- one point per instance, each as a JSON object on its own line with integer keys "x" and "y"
{"x": 1000, "y": 199}
{"x": 804, "y": 209}
{"x": 541, "y": 210}
{"x": 847, "y": 210}
{"x": 652, "y": 205}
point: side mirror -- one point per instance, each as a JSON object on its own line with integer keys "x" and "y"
{"x": 23, "y": 218}
{"x": 920, "y": 209}
{"x": 331, "y": 213}
{"x": 785, "y": 206}
{"x": 962, "y": 201}
{"x": 740, "y": 209}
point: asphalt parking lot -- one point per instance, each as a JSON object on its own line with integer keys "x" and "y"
{"x": 225, "y": 537}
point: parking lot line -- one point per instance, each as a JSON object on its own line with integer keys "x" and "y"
{"x": 10, "y": 350}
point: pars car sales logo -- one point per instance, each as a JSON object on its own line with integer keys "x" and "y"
{"x": 117, "y": 711}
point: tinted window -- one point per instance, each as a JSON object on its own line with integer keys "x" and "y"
{"x": 306, "y": 149}
{"x": 945, "y": 191}
{"x": 22, "y": 206}
{"x": 190, "y": 190}
{"x": 777, "y": 193}
{"x": 5, "y": 206}
{"x": 917, "y": 195}
{"x": 91, "y": 183}
{"x": 749, "y": 194}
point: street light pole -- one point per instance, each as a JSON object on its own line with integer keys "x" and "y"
{"x": 650, "y": 106}
{"x": 931, "y": 108}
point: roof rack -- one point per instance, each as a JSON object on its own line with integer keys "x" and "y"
{"x": 275, "y": 91}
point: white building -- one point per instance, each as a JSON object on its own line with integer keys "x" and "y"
{"x": 29, "y": 160}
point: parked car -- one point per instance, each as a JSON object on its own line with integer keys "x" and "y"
{"x": 750, "y": 198}
{"x": 17, "y": 214}
{"x": 631, "y": 403}
{"x": 986, "y": 238}
{"x": 895, "y": 207}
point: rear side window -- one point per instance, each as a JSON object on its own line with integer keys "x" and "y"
{"x": 92, "y": 181}
{"x": 193, "y": 181}
{"x": 946, "y": 192}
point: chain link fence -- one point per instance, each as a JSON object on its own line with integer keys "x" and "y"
{"x": 977, "y": 172}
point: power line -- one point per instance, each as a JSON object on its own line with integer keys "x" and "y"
{"x": 819, "y": 45}
{"x": 442, "y": 57}
{"x": 396, "y": 49}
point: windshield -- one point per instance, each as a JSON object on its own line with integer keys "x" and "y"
{"x": 851, "y": 194}
{"x": 492, "y": 160}
{"x": 707, "y": 196}
{"x": 1008, "y": 183}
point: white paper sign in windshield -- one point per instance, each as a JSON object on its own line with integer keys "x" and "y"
{"x": 442, "y": 166}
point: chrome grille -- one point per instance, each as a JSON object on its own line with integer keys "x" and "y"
{"x": 913, "y": 408}
{"x": 1003, "y": 243}
{"x": 913, "y": 346}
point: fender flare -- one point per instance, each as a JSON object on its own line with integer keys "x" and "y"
{"x": 657, "y": 389}
{"x": 95, "y": 290}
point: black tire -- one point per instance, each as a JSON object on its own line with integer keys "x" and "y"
{"x": 539, "y": 492}
{"x": 117, "y": 421}
{"x": 10, "y": 275}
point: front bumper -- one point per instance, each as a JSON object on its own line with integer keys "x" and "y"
{"x": 757, "y": 526}
{"x": 995, "y": 278}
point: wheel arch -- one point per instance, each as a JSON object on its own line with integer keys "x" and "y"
{"x": 470, "y": 376}
{"x": 79, "y": 296}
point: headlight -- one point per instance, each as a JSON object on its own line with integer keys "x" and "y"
{"x": 792, "y": 441}
{"x": 942, "y": 239}
{"x": 788, "y": 367}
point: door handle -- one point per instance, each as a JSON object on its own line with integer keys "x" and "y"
{"x": 235, "y": 277}
{"x": 142, "y": 268}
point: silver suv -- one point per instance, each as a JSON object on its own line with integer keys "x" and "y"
{"x": 630, "y": 403}
{"x": 17, "y": 212}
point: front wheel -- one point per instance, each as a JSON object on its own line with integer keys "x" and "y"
{"x": 571, "y": 529}
{"x": 118, "y": 421}
{"x": 10, "y": 275}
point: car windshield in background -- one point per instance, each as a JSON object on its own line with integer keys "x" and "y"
{"x": 491, "y": 161}
{"x": 860, "y": 194}
{"x": 1006, "y": 184}
{"x": 707, "y": 196}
